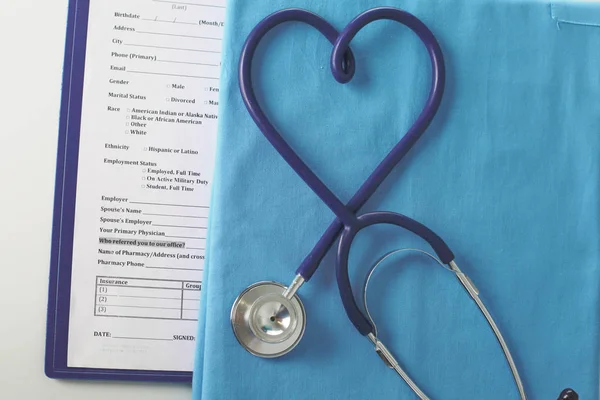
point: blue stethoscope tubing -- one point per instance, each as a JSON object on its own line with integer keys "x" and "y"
{"x": 343, "y": 67}
{"x": 348, "y": 223}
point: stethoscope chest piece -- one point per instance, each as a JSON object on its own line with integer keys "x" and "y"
{"x": 265, "y": 322}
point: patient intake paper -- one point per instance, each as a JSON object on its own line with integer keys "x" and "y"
{"x": 144, "y": 169}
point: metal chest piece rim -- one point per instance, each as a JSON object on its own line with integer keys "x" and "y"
{"x": 265, "y": 322}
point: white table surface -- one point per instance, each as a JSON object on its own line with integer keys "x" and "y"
{"x": 32, "y": 37}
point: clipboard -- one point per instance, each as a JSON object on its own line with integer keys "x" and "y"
{"x": 63, "y": 228}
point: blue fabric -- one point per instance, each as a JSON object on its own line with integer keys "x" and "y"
{"x": 508, "y": 175}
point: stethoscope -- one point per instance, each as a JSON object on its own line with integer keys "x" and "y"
{"x": 269, "y": 318}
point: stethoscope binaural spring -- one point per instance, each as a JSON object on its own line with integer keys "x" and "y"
{"x": 268, "y": 318}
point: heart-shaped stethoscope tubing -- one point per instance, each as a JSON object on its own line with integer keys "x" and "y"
{"x": 268, "y": 318}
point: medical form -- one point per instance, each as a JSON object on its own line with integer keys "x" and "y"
{"x": 144, "y": 170}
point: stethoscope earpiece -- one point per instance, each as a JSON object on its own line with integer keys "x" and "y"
{"x": 568, "y": 394}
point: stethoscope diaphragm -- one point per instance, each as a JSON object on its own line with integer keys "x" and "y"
{"x": 265, "y": 322}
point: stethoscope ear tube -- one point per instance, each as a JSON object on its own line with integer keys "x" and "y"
{"x": 380, "y": 348}
{"x": 377, "y": 264}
